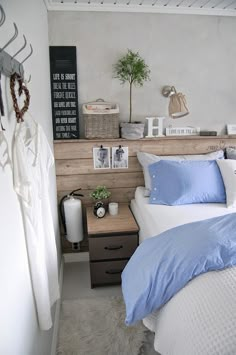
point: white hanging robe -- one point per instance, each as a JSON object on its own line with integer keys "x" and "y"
{"x": 32, "y": 158}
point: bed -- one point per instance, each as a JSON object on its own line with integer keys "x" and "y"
{"x": 201, "y": 317}
{"x": 154, "y": 219}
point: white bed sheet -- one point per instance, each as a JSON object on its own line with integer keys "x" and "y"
{"x": 201, "y": 318}
{"x": 155, "y": 219}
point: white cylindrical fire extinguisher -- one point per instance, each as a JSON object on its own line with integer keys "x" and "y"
{"x": 71, "y": 216}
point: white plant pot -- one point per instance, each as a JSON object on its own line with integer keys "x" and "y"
{"x": 132, "y": 130}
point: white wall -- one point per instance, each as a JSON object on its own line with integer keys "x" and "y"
{"x": 19, "y": 333}
{"x": 194, "y": 53}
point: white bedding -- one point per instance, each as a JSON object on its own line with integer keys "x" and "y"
{"x": 201, "y": 318}
{"x": 155, "y": 219}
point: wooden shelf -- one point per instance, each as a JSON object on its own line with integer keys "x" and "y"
{"x": 83, "y": 140}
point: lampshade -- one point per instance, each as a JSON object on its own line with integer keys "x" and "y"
{"x": 177, "y": 106}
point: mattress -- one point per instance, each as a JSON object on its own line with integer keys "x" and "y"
{"x": 155, "y": 219}
{"x": 201, "y": 318}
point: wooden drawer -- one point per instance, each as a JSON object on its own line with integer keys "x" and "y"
{"x": 115, "y": 247}
{"x": 106, "y": 272}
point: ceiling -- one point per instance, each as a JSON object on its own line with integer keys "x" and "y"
{"x": 200, "y": 7}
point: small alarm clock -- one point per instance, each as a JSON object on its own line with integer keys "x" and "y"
{"x": 99, "y": 210}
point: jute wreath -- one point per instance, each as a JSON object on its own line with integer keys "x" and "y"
{"x": 21, "y": 89}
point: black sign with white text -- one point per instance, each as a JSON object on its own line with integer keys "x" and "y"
{"x": 64, "y": 92}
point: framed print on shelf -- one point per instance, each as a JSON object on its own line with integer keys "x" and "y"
{"x": 101, "y": 158}
{"x": 231, "y": 129}
{"x": 120, "y": 157}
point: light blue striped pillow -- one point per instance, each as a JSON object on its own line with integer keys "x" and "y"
{"x": 186, "y": 182}
{"x": 146, "y": 159}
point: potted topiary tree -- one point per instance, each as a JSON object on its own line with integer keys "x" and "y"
{"x": 131, "y": 68}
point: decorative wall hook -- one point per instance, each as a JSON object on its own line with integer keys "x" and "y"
{"x": 15, "y": 65}
{"x": 21, "y": 49}
{"x": 3, "y": 16}
{"x": 21, "y": 72}
{"x": 8, "y": 64}
{"x": 12, "y": 39}
{"x": 31, "y": 52}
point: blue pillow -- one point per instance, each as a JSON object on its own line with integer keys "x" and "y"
{"x": 185, "y": 182}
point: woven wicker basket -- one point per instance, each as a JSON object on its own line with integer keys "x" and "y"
{"x": 101, "y": 119}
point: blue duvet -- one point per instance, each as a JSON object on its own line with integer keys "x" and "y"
{"x": 162, "y": 265}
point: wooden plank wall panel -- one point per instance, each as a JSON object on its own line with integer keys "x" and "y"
{"x": 82, "y": 149}
{"x": 90, "y": 181}
{"x": 74, "y": 165}
{"x": 118, "y": 195}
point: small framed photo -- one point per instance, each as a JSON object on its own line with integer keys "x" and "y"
{"x": 231, "y": 129}
{"x": 120, "y": 156}
{"x": 101, "y": 158}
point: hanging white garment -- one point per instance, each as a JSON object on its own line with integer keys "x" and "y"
{"x": 4, "y": 151}
{"x": 32, "y": 158}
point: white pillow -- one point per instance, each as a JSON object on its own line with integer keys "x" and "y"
{"x": 228, "y": 172}
{"x": 231, "y": 153}
{"x": 145, "y": 159}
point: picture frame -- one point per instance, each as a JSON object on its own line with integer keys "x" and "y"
{"x": 120, "y": 157}
{"x": 231, "y": 129}
{"x": 101, "y": 158}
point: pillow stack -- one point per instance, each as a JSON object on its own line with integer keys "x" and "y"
{"x": 228, "y": 172}
{"x": 187, "y": 179}
{"x": 186, "y": 182}
{"x": 145, "y": 159}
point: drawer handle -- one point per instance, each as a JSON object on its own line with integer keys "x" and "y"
{"x": 113, "y": 247}
{"x": 114, "y": 271}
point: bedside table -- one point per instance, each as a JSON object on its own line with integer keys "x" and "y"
{"x": 112, "y": 241}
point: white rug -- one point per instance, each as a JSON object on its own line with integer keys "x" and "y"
{"x": 95, "y": 326}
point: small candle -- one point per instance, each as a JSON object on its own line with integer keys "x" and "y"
{"x": 113, "y": 208}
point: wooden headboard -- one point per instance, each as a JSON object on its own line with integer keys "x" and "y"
{"x": 74, "y": 163}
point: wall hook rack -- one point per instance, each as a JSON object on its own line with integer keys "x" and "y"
{"x": 8, "y": 64}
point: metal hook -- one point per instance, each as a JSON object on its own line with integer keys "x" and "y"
{"x": 15, "y": 64}
{"x": 12, "y": 39}
{"x": 31, "y": 52}
{"x": 21, "y": 49}
{"x": 27, "y": 81}
{"x": 3, "y": 16}
{"x": 22, "y": 75}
